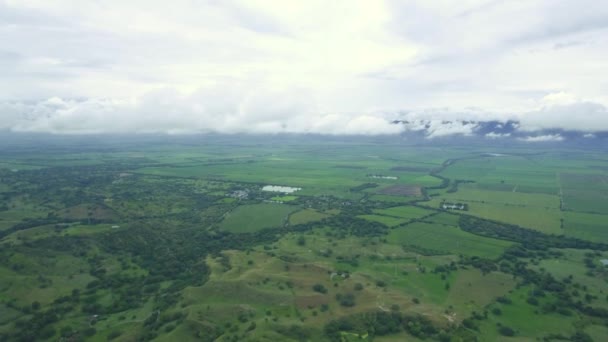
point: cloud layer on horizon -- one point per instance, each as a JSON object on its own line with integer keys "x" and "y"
{"x": 262, "y": 66}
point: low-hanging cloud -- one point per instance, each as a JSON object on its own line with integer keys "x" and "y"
{"x": 234, "y": 110}
{"x": 494, "y": 135}
{"x": 543, "y": 138}
{"x": 239, "y": 108}
{"x": 562, "y": 111}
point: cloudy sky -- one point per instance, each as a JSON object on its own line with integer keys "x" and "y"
{"x": 335, "y": 67}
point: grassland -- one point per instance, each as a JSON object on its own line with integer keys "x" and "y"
{"x": 395, "y": 216}
{"x": 586, "y": 226}
{"x": 544, "y": 219}
{"x": 406, "y": 212}
{"x": 284, "y": 198}
{"x": 450, "y": 240}
{"x": 445, "y": 218}
{"x": 525, "y": 319}
{"x": 506, "y": 173}
{"x": 254, "y": 217}
{"x": 306, "y": 215}
{"x": 585, "y": 192}
{"x": 388, "y": 221}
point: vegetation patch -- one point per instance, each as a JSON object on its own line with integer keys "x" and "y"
{"x": 284, "y": 198}
{"x": 406, "y": 212}
{"x": 592, "y": 227}
{"x": 401, "y": 190}
{"x": 305, "y": 216}
{"x": 385, "y": 220}
{"x": 254, "y": 217}
{"x": 446, "y": 238}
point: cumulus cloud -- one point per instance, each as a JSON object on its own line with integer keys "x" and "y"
{"x": 564, "y": 111}
{"x": 234, "y": 110}
{"x": 442, "y": 128}
{"x": 493, "y": 135}
{"x": 543, "y": 138}
{"x": 349, "y": 67}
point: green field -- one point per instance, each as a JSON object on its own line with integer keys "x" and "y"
{"x": 385, "y": 220}
{"x": 251, "y": 218}
{"x": 407, "y": 212}
{"x": 585, "y": 192}
{"x": 305, "y": 216}
{"x": 507, "y": 173}
{"x": 284, "y": 198}
{"x": 447, "y": 239}
{"x": 524, "y": 319}
{"x": 445, "y": 218}
{"x": 547, "y": 220}
{"x": 591, "y": 227}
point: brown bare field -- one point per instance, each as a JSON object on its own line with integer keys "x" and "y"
{"x": 401, "y": 190}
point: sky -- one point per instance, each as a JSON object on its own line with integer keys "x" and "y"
{"x": 329, "y": 67}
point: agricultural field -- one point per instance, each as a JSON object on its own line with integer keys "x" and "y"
{"x": 385, "y": 220}
{"x": 183, "y": 241}
{"x": 254, "y": 217}
{"x": 306, "y": 215}
{"x": 547, "y": 220}
{"x": 406, "y": 212}
{"x": 585, "y": 192}
{"x": 447, "y": 240}
{"x": 586, "y": 226}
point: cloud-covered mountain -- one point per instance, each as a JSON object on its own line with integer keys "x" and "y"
{"x": 495, "y": 131}
{"x": 169, "y": 112}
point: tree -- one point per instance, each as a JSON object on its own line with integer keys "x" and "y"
{"x": 301, "y": 241}
{"x": 66, "y": 331}
{"x": 506, "y": 331}
{"x": 114, "y": 334}
{"x": 532, "y": 301}
{"x": 90, "y": 331}
{"x": 347, "y": 300}
{"x": 35, "y": 305}
{"x": 319, "y": 288}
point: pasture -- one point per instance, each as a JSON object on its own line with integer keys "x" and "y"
{"x": 506, "y": 173}
{"x": 592, "y": 227}
{"x": 306, "y": 215}
{"x": 388, "y": 221}
{"x": 254, "y": 217}
{"x": 547, "y": 220}
{"x": 525, "y": 319}
{"x": 585, "y": 192}
{"x": 450, "y": 240}
{"x": 405, "y": 212}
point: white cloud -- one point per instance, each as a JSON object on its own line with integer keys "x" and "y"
{"x": 565, "y": 111}
{"x": 543, "y": 138}
{"x": 441, "y": 129}
{"x": 234, "y": 110}
{"x": 493, "y": 135}
{"x": 312, "y": 66}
